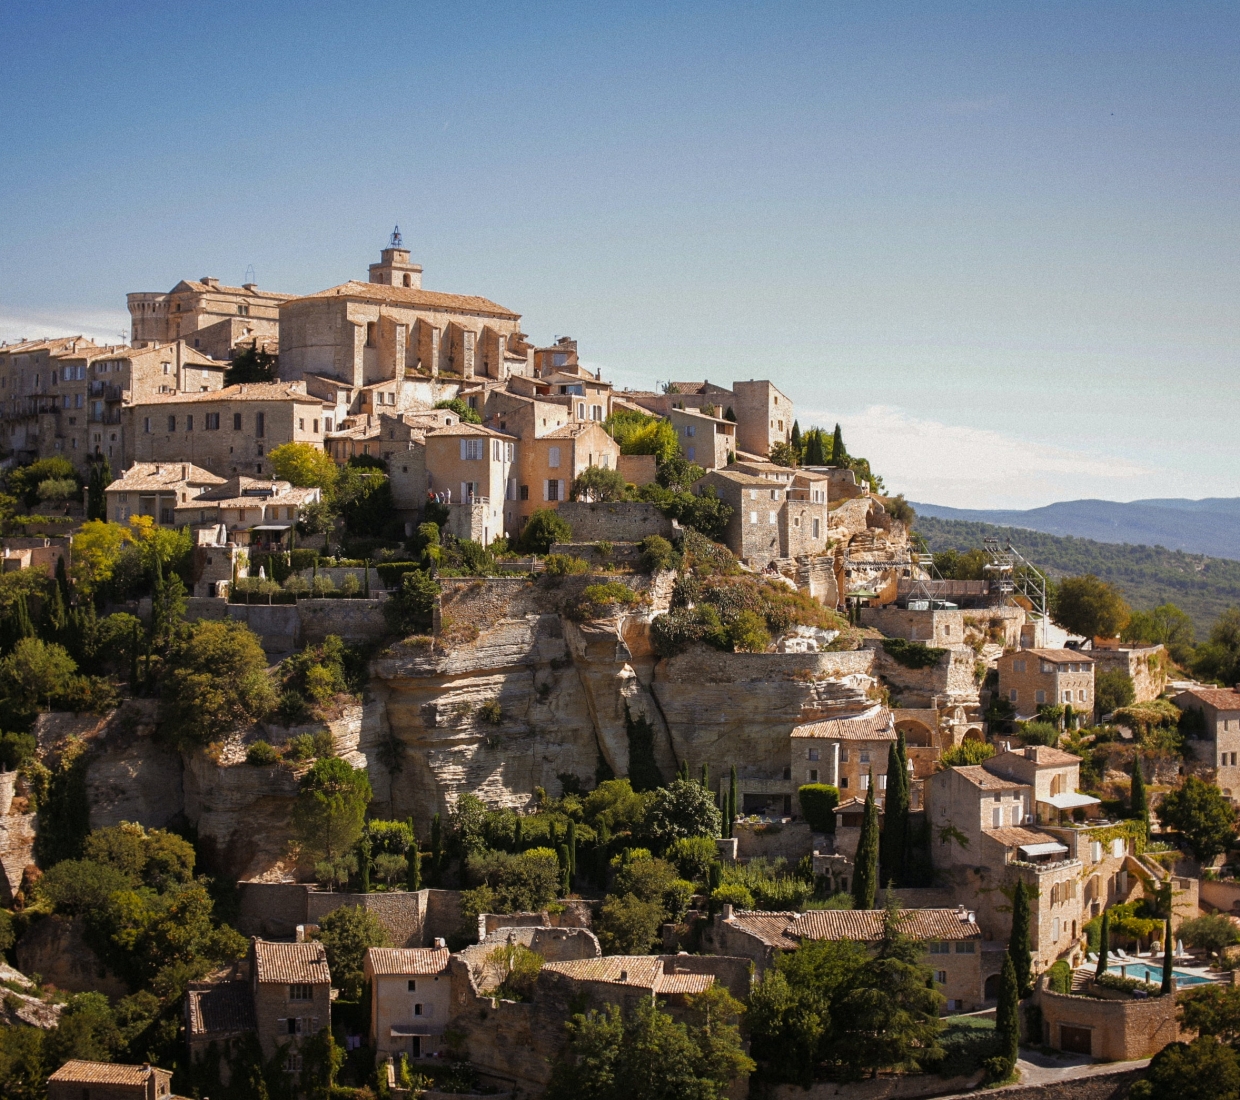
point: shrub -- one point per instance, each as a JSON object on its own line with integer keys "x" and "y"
{"x": 412, "y": 609}
{"x": 966, "y": 753}
{"x": 818, "y": 802}
{"x": 657, "y": 554}
{"x": 261, "y": 754}
{"x": 350, "y": 586}
{"x": 544, "y": 528}
{"x": 749, "y": 634}
{"x": 913, "y": 654}
{"x": 1060, "y": 975}
{"x": 1113, "y": 690}
{"x": 732, "y": 893}
{"x": 693, "y": 856}
{"x": 563, "y": 565}
{"x": 600, "y": 600}
{"x": 1040, "y": 733}
{"x": 491, "y": 712}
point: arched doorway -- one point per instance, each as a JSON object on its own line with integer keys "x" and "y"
{"x": 991, "y": 993}
{"x": 916, "y": 734}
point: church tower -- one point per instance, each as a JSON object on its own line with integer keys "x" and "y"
{"x": 394, "y": 268}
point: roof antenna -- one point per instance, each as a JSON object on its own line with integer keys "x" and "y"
{"x": 396, "y": 241}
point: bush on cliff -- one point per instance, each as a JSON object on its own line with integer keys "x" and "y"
{"x": 913, "y": 654}
{"x": 544, "y": 527}
{"x": 216, "y": 680}
{"x": 411, "y": 609}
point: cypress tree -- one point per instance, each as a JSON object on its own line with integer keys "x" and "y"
{"x": 1104, "y": 944}
{"x": 1007, "y": 1016}
{"x": 566, "y": 873}
{"x": 364, "y": 862}
{"x": 815, "y": 453}
{"x": 518, "y": 836}
{"x": 839, "y": 456}
{"x": 601, "y": 852}
{"x": 731, "y": 815}
{"x": 62, "y": 578}
{"x": 705, "y": 776}
{"x": 24, "y": 628}
{"x": 895, "y": 814}
{"x": 1168, "y": 983}
{"x": 715, "y": 879}
{"x": 54, "y": 615}
{"x": 1018, "y": 944}
{"x": 133, "y": 661}
{"x": 571, "y": 841}
{"x": 1139, "y": 800}
{"x": 436, "y": 849}
{"x": 413, "y": 862}
{"x": 865, "y": 873}
{"x": 730, "y": 415}
{"x": 796, "y": 437}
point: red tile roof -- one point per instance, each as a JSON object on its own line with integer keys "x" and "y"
{"x": 866, "y": 925}
{"x": 222, "y": 1008}
{"x": 770, "y": 928}
{"x": 1218, "y": 698}
{"x": 875, "y": 724}
{"x": 408, "y": 296}
{"x": 384, "y": 962}
{"x": 303, "y": 963}
{"x": 1058, "y": 656}
{"x": 78, "y": 1071}
{"x": 639, "y": 971}
{"x": 980, "y": 777}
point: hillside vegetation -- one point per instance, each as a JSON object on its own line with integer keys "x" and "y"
{"x": 1147, "y": 575}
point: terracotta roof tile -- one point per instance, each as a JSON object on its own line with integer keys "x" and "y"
{"x": 875, "y": 724}
{"x": 1218, "y": 698}
{"x": 291, "y": 962}
{"x": 394, "y": 961}
{"x": 638, "y": 971}
{"x": 770, "y": 928}
{"x": 1015, "y": 837}
{"x": 408, "y": 296}
{"x": 463, "y": 429}
{"x": 78, "y": 1071}
{"x": 981, "y": 778}
{"x": 1058, "y": 656}
{"x": 162, "y": 475}
{"x": 249, "y": 391}
{"x": 1043, "y": 755}
{"x": 866, "y": 925}
{"x": 223, "y": 1007}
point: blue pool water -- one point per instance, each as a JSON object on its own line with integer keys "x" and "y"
{"x": 1153, "y": 974}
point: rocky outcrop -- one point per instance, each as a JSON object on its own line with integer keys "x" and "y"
{"x": 17, "y": 837}
{"x": 131, "y": 776}
{"x": 54, "y": 949}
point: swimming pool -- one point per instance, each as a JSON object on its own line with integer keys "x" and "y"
{"x": 1143, "y": 972}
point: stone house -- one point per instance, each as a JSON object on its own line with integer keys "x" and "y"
{"x": 219, "y": 1013}
{"x": 158, "y": 490}
{"x": 390, "y": 328}
{"x": 410, "y": 999}
{"x": 1112, "y": 1026}
{"x": 80, "y": 1080}
{"x": 763, "y": 414}
{"x": 845, "y": 752}
{"x": 291, "y": 988}
{"x": 473, "y": 467}
{"x": 590, "y": 396}
{"x": 1145, "y": 666}
{"x": 254, "y": 511}
{"x": 1217, "y": 744}
{"x": 213, "y": 317}
{"x": 626, "y": 979}
{"x": 1029, "y": 678}
{"x": 707, "y": 440}
{"x": 769, "y": 519}
{"x": 228, "y": 431}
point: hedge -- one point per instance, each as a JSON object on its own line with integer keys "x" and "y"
{"x": 818, "y": 802}
{"x": 913, "y": 654}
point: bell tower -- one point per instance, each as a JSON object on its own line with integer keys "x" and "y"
{"x": 394, "y": 268}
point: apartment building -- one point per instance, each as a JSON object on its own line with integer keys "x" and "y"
{"x": 771, "y": 519}
{"x": 1029, "y": 678}
{"x": 211, "y": 317}
{"x": 471, "y": 469}
{"x": 764, "y": 415}
{"x": 228, "y": 431}
{"x": 710, "y": 441}
{"x": 1216, "y": 741}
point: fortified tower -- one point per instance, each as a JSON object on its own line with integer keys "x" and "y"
{"x": 394, "y": 268}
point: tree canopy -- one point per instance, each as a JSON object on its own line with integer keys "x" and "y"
{"x": 1089, "y": 607}
{"x": 1203, "y": 817}
{"x": 304, "y": 465}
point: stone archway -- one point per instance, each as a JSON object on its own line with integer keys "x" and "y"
{"x": 974, "y": 733}
{"x": 991, "y": 992}
{"x": 916, "y": 733}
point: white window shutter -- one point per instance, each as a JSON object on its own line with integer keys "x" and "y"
{"x": 464, "y": 449}
{"x": 546, "y": 490}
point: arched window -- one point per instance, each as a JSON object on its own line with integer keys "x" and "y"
{"x": 408, "y": 280}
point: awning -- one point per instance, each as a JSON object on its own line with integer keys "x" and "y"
{"x": 1071, "y": 800}
{"x": 407, "y": 1031}
{"x": 1047, "y": 849}
{"x": 272, "y": 527}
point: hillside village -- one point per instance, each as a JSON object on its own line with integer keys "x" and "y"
{"x": 384, "y": 697}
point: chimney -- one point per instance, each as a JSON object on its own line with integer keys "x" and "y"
{"x": 624, "y": 975}
{"x": 727, "y": 911}
{"x": 440, "y": 942}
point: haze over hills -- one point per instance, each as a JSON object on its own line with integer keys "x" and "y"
{"x": 1210, "y": 526}
{"x": 1203, "y": 587}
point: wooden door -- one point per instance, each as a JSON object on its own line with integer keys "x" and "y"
{"x": 1075, "y": 1040}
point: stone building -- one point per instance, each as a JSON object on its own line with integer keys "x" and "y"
{"x": 770, "y": 519}
{"x": 1029, "y": 678}
{"x": 80, "y": 1080}
{"x": 254, "y": 512}
{"x": 1145, "y": 666}
{"x": 710, "y": 441}
{"x": 1217, "y": 742}
{"x": 212, "y": 317}
{"x": 472, "y": 467}
{"x": 157, "y": 490}
{"x": 847, "y": 753}
{"x": 764, "y": 415}
{"x": 390, "y": 329}
{"x": 228, "y": 431}
{"x": 291, "y": 987}
{"x": 1112, "y": 1027}
{"x": 219, "y": 1013}
{"x": 410, "y": 999}
{"x": 548, "y": 464}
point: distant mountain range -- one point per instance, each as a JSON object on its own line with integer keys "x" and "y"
{"x": 1210, "y": 526}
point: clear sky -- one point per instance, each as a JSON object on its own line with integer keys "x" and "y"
{"x": 996, "y": 241}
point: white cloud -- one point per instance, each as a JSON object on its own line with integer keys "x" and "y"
{"x": 104, "y": 326}
{"x": 966, "y": 467}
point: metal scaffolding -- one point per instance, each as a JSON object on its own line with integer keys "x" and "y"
{"x": 1013, "y": 575}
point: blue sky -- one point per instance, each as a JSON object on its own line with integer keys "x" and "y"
{"x": 996, "y": 241}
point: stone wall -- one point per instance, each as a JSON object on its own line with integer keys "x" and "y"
{"x": 621, "y": 521}
{"x": 284, "y": 628}
{"x": 951, "y": 681}
{"x": 1120, "y": 1030}
{"x": 412, "y": 918}
{"x": 789, "y": 839}
{"x": 1145, "y": 666}
{"x": 637, "y": 469}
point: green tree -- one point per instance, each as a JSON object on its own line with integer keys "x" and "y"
{"x": 1204, "y": 1069}
{"x": 1212, "y": 933}
{"x": 1218, "y": 658}
{"x": 730, "y": 815}
{"x": 24, "y": 481}
{"x": 216, "y": 680}
{"x": 1104, "y": 944}
{"x": 815, "y": 448}
{"x": 23, "y": 1065}
{"x": 783, "y": 454}
{"x": 1212, "y": 1010}
{"x": 544, "y": 528}
{"x": 1168, "y": 974}
{"x": 331, "y": 804}
{"x": 1089, "y": 606}
{"x": 1007, "y": 1016}
{"x": 818, "y": 802}
{"x": 1112, "y": 690}
{"x": 677, "y": 473}
{"x": 250, "y": 364}
{"x": 36, "y": 672}
{"x": 640, "y": 434}
{"x": 1164, "y": 625}
{"x": 346, "y": 933}
{"x": 795, "y": 439}
{"x": 646, "y": 1055}
{"x": 1018, "y": 941}
{"x": 865, "y": 871}
{"x": 1203, "y": 817}
{"x": 839, "y": 455}
{"x": 1138, "y": 801}
{"x": 966, "y": 754}
{"x": 600, "y": 485}
{"x": 411, "y": 610}
{"x": 304, "y": 465}
{"x": 364, "y": 497}
{"x": 895, "y": 813}
{"x": 682, "y": 809}
{"x": 628, "y": 925}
